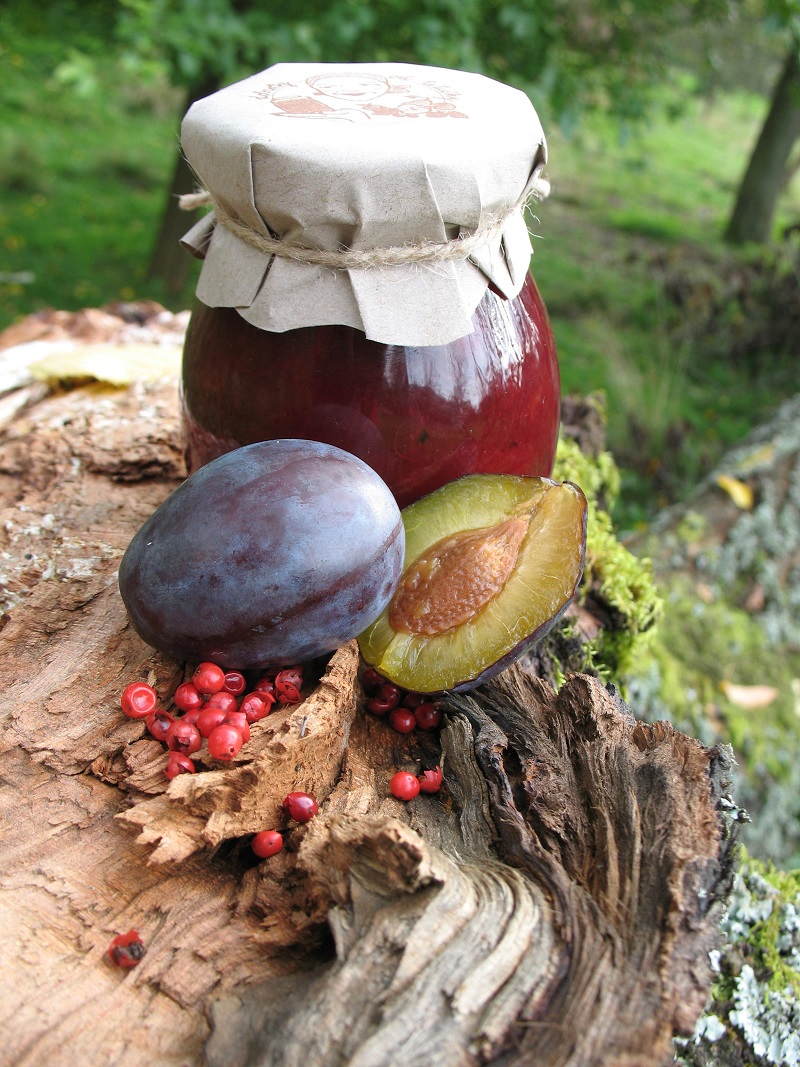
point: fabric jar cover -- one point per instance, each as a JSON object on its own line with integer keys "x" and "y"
{"x": 423, "y": 171}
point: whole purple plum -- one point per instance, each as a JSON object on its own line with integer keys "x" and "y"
{"x": 272, "y": 554}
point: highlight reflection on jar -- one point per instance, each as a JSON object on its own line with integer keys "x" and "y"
{"x": 488, "y": 402}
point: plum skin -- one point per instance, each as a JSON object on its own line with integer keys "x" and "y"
{"x": 275, "y": 553}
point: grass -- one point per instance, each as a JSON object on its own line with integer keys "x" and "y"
{"x": 86, "y": 152}
{"x": 85, "y": 156}
{"x": 619, "y": 212}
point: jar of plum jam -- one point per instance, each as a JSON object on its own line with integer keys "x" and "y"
{"x": 365, "y": 279}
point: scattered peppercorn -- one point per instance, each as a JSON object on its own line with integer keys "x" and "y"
{"x": 300, "y": 806}
{"x": 404, "y": 785}
{"x": 267, "y": 843}
{"x": 126, "y": 950}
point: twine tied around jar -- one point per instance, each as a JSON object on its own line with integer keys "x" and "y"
{"x": 351, "y": 258}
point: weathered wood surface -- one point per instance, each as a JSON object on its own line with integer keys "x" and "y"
{"x": 553, "y": 905}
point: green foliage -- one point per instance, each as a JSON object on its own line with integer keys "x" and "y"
{"x": 674, "y": 397}
{"x": 784, "y": 14}
{"x": 744, "y": 307}
{"x": 597, "y": 53}
{"x": 86, "y": 24}
{"x": 598, "y": 476}
{"x": 84, "y": 160}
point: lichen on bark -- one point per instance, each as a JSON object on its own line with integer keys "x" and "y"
{"x": 754, "y": 1012}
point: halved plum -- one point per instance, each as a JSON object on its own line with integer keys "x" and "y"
{"x": 491, "y": 564}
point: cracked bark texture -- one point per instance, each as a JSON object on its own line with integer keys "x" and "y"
{"x": 554, "y": 904}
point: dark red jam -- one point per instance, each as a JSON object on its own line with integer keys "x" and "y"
{"x": 487, "y": 403}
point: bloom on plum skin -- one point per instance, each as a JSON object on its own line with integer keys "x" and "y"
{"x": 334, "y": 574}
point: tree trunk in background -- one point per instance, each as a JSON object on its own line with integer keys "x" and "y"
{"x": 761, "y": 186}
{"x": 168, "y": 260}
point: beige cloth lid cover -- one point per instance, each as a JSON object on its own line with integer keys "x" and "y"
{"x": 363, "y": 156}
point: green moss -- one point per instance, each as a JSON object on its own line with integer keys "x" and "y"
{"x": 763, "y": 917}
{"x": 613, "y": 575}
{"x": 769, "y": 938}
{"x": 598, "y": 476}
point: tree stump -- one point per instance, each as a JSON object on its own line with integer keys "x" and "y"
{"x": 554, "y": 904}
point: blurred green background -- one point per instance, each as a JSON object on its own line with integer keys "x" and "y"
{"x": 651, "y": 111}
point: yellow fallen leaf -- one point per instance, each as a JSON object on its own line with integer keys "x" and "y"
{"x": 749, "y": 696}
{"x": 739, "y": 492}
{"x": 115, "y": 364}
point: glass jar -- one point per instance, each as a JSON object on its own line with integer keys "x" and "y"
{"x": 365, "y": 278}
{"x": 488, "y": 402}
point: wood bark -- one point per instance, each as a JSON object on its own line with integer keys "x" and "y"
{"x": 554, "y": 904}
{"x": 763, "y": 181}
